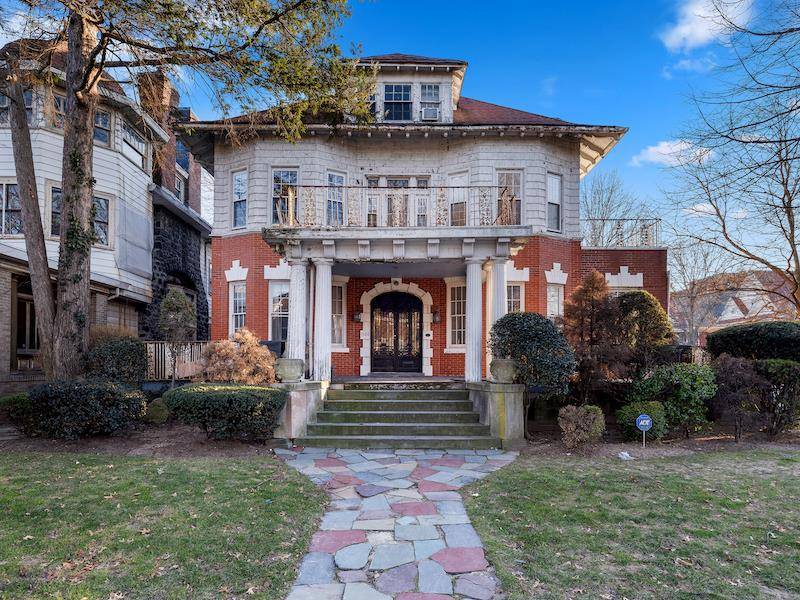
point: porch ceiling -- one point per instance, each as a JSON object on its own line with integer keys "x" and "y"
{"x": 383, "y": 270}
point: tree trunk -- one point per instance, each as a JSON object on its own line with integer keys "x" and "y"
{"x": 43, "y": 302}
{"x": 77, "y": 230}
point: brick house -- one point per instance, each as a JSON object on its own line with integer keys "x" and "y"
{"x": 147, "y": 214}
{"x": 392, "y": 247}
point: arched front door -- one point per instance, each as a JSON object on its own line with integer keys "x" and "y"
{"x": 396, "y": 333}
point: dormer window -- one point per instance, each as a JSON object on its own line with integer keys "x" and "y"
{"x": 429, "y": 102}
{"x": 397, "y": 102}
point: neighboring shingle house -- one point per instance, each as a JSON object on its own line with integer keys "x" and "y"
{"x": 729, "y": 299}
{"x": 392, "y": 247}
{"x": 147, "y": 203}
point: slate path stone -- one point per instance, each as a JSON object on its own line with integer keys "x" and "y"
{"x": 398, "y": 579}
{"x": 396, "y": 528}
{"x": 353, "y": 557}
{"x": 317, "y": 567}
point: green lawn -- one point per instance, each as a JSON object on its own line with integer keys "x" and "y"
{"x": 722, "y": 525}
{"x": 85, "y": 526}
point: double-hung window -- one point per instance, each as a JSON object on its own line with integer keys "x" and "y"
{"x": 11, "y": 223}
{"x": 397, "y": 102}
{"x": 284, "y": 195}
{"x": 5, "y": 107}
{"x": 553, "y": 202}
{"x": 337, "y": 313}
{"x": 429, "y": 101}
{"x": 397, "y": 201}
{"x": 513, "y": 298}
{"x": 422, "y": 201}
{"x": 509, "y": 197}
{"x": 335, "y": 209}
{"x": 59, "y": 110}
{"x": 134, "y": 145}
{"x": 555, "y": 301}
{"x": 100, "y": 216}
{"x": 238, "y": 305}
{"x": 457, "y": 303}
{"x": 279, "y": 310}
{"x": 102, "y": 127}
{"x": 240, "y": 199}
{"x": 372, "y": 202}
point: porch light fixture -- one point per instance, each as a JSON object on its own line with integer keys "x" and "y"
{"x": 436, "y": 317}
{"x": 357, "y": 317}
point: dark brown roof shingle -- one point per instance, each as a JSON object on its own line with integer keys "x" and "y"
{"x": 411, "y": 59}
{"x": 477, "y": 112}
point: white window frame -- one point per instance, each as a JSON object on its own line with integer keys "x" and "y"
{"x": 277, "y": 287}
{"x": 559, "y": 312}
{"x": 451, "y": 284}
{"x": 232, "y": 287}
{"x": 4, "y": 185}
{"x": 5, "y": 107}
{"x": 560, "y": 203}
{"x": 332, "y": 191}
{"x": 427, "y": 102}
{"x": 129, "y": 149}
{"x": 51, "y": 187}
{"x": 109, "y": 129}
{"x": 410, "y": 101}
{"x": 296, "y": 170}
{"x": 235, "y": 200}
{"x": 521, "y": 286}
{"x": 520, "y": 192}
{"x": 340, "y": 281}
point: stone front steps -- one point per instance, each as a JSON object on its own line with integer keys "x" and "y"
{"x": 398, "y": 415}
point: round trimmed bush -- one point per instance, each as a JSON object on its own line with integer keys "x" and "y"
{"x": 685, "y": 390}
{"x": 228, "y": 411}
{"x": 581, "y": 425}
{"x": 121, "y": 358}
{"x": 157, "y": 412}
{"x": 773, "y": 339}
{"x": 541, "y": 352}
{"x": 77, "y": 409}
{"x": 626, "y": 418}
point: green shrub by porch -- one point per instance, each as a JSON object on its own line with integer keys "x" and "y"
{"x": 544, "y": 357}
{"x": 776, "y": 339}
{"x": 780, "y": 406}
{"x": 228, "y": 411}
{"x": 121, "y": 359}
{"x": 685, "y": 391}
{"x": 626, "y": 418}
{"x": 77, "y": 409}
{"x": 581, "y": 425}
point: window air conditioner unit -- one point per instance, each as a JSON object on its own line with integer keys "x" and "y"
{"x": 430, "y": 113}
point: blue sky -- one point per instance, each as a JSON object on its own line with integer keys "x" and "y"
{"x": 621, "y": 62}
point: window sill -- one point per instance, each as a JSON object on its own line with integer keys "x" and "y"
{"x": 455, "y": 350}
{"x": 340, "y": 349}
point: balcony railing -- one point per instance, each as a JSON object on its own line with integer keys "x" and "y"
{"x": 338, "y": 207}
{"x": 621, "y": 233}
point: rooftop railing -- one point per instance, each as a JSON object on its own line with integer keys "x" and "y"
{"x": 621, "y": 233}
{"x": 338, "y": 207}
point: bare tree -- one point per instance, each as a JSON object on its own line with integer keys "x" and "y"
{"x": 695, "y": 277}
{"x": 246, "y": 54}
{"x": 609, "y": 212}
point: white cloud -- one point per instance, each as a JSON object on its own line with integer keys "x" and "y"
{"x": 670, "y": 153}
{"x": 698, "y": 24}
{"x": 703, "y": 64}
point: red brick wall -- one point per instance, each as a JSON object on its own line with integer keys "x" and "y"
{"x": 252, "y": 253}
{"x": 652, "y": 263}
{"x": 538, "y": 255}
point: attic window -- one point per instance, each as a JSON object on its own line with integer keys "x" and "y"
{"x": 397, "y": 102}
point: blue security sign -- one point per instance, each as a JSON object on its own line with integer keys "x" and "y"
{"x": 644, "y": 422}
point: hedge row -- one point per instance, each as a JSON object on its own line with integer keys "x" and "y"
{"x": 776, "y": 339}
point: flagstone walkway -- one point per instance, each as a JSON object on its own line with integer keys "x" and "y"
{"x": 396, "y": 527}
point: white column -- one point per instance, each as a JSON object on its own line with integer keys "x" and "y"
{"x": 322, "y": 319}
{"x": 499, "y": 289}
{"x": 474, "y": 345}
{"x": 296, "y": 334}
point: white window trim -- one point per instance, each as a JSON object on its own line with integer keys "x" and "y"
{"x": 48, "y": 221}
{"x": 521, "y": 286}
{"x": 231, "y": 286}
{"x": 269, "y": 303}
{"x": 521, "y": 172}
{"x": 562, "y": 300}
{"x": 297, "y": 200}
{"x": 341, "y": 174}
{"x": 560, "y": 229}
{"x": 450, "y": 348}
{"x": 341, "y": 281}
{"x": 235, "y": 227}
{"x": 412, "y": 99}
{"x": 7, "y": 181}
